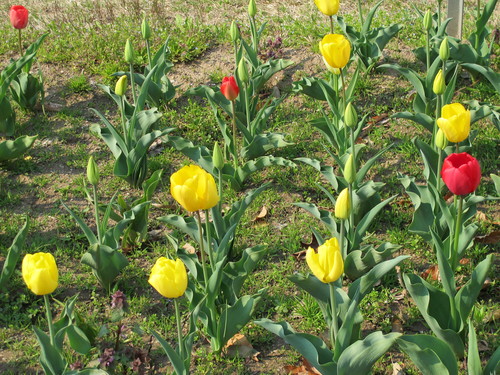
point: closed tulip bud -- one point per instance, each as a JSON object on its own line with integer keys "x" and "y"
{"x": 441, "y": 141}
{"x": 229, "y": 88}
{"x": 235, "y": 32}
{"x": 439, "y": 84}
{"x": 444, "y": 49}
{"x": 121, "y": 85}
{"x": 328, "y": 7}
{"x": 242, "y": 71}
{"x": 18, "y": 16}
{"x": 129, "y": 52}
{"x": 461, "y": 173}
{"x": 427, "y": 20}
{"x": 327, "y": 263}
{"x": 454, "y": 122}
{"x": 40, "y": 273}
{"x": 252, "y": 8}
{"x": 349, "y": 171}
{"x": 336, "y": 50}
{"x": 218, "y": 158}
{"x": 145, "y": 29}
{"x": 169, "y": 277}
{"x": 343, "y": 205}
{"x": 92, "y": 171}
{"x": 193, "y": 188}
{"x": 350, "y": 116}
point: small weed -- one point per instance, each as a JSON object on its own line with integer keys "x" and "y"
{"x": 79, "y": 84}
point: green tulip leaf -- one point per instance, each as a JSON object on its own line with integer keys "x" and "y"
{"x": 473, "y": 360}
{"x": 311, "y": 347}
{"x": 261, "y": 143}
{"x": 252, "y": 166}
{"x": 326, "y": 217}
{"x": 434, "y": 305}
{"x": 13, "y": 149}
{"x": 360, "y": 357}
{"x": 173, "y": 355}
{"x": 51, "y": 359}
{"x": 486, "y": 72}
{"x": 78, "y": 340}
{"x": 431, "y": 355}
{"x": 13, "y": 254}
{"x": 359, "y": 262}
{"x": 325, "y": 170}
{"x": 493, "y": 365}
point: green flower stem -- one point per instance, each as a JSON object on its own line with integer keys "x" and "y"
{"x": 360, "y": 9}
{"x": 179, "y": 329}
{"x": 331, "y": 24}
{"x": 255, "y": 39}
{"x": 96, "y": 211}
{"x": 427, "y": 51}
{"x": 219, "y": 186}
{"x": 344, "y": 100}
{"x": 439, "y": 104}
{"x": 478, "y": 10}
{"x": 149, "y": 54}
{"x": 124, "y": 120}
{"x": 458, "y": 224}
{"x": 353, "y": 151}
{"x": 132, "y": 83}
{"x": 342, "y": 237}
{"x": 334, "y": 329}
{"x": 235, "y": 45}
{"x": 439, "y": 13}
{"x": 20, "y": 43}
{"x": 235, "y": 147}
{"x": 202, "y": 250}
{"x": 209, "y": 239}
{"x": 49, "y": 319}
{"x": 247, "y": 107}
{"x": 351, "y": 211}
{"x": 438, "y": 172}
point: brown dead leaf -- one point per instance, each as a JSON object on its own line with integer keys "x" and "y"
{"x": 305, "y": 369}
{"x": 397, "y": 325}
{"x": 397, "y": 369}
{"x": 491, "y": 238}
{"x": 432, "y": 271}
{"x": 239, "y": 346}
{"x": 464, "y": 261}
{"x": 300, "y": 255}
{"x": 262, "y": 214}
{"x": 313, "y": 242}
{"x": 189, "y": 248}
{"x": 481, "y": 216}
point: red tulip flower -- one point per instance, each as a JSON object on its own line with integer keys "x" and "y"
{"x": 461, "y": 173}
{"x": 229, "y": 88}
{"x": 18, "y": 16}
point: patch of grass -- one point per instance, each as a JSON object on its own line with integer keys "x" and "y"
{"x": 79, "y": 84}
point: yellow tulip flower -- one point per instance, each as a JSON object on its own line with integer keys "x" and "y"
{"x": 169, "y": 277}
{"x": 454, "y": 122}
{"x": 328, "y": 7}
{"x": 343, "y": 205}
{"x": 326, "y": 264}
{"x": 40, "y": 273}
{"x": 336, "y": 50}
{"x": 194, "y": 188}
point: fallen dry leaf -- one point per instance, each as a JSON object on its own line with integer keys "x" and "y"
{"x": 262, "y": 214}
{"x": 397, "y": 325}
{"x": 464, "y": 261}
{"x": 432, "y": 271}
{"x": 305, "y": 369}
{"x": 189, "y": 248}
{"x": 239, "y": 346}
{"x": 481, "y": 216}
{"x": 397, "y": 369}
{"x": 300, "y": 255}
{"x": 491, "y": 238}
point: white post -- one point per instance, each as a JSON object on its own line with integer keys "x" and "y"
{"x": 455, "y": 12}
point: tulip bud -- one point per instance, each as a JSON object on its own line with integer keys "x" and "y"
{"x": 121, "y": 86}
{"x": 242, "y": 71}
{"x": 444, "y": 50}
{"x": 129, "y": 52}
{"x": 441, "y": 141}
{"x": 427, "y": 20}
{"x": 217, "y": 157}
{"x": 349, "y": 170}
{"x": 145, "y": 29}
{"x": 252, "y": 8}
{"x": 343, "y": 205}
{"x": 92, "y": 172}
{"x": 439, "y": 84}
{"x": 350, "y": 116}
{"x": 235, "y": 32}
